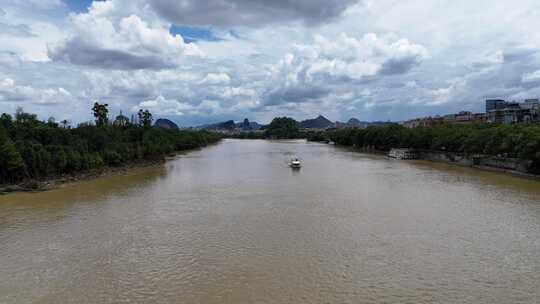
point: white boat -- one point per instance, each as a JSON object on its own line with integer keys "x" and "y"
{"x": 295, "y": 163}
{"x": 403, "y": 154}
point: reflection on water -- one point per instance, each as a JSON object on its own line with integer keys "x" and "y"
{"x": 233, "y": 224}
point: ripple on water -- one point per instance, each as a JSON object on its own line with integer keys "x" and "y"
{"x": 231, "y": 224}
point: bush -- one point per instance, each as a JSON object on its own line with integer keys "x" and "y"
{"x": 518, "y": 141}
{"x": 30, "y": 148}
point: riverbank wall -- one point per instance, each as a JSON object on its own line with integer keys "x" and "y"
{"x": 515, "y": 166}
{"x": 486, "y": 162}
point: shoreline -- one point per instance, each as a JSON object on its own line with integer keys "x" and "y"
{"x": 443, "y": 160}
{"x": 51, "y": 183}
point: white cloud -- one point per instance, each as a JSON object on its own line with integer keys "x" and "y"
{"x": 162, "y": 106}
{"x": 531, "y": 77}
{"x": 106, "y": 38}
{"x": 313, "y": 71}
{"x": 12, "y": 92}
{"x": 376, "y": 60}
{"x": 353, "y": 58}
{"x": 250, "y": 13}
{"x": 46, "y": 4}
{"x": 216, "y": 78}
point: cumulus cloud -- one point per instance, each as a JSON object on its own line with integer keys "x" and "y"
{"x": 9, "y": 59}
{"x": 162, "y": 106}
{"x": 531, "y": 77}
{"x": 351, "y": 58}
{"x": 354, "y": 62}
{"x": 172, "y": 107}
{"x": 12, "y": 92}
{"x": 46, "y": 4}
{"x": 104, "y": 39}
{"x": 216, "y": 78}
{"x": 227, "y": 13}
{"x": 15, "y": 30}
{"x": 231, "y": 92}
{"x": 309, "y": 74}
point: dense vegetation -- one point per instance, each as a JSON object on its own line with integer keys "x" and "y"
{"x": 515, "y": 141}
{"x": 32, "y": 149}
{"x": 282, "y": 127}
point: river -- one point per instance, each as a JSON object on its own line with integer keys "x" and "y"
{"x": 231, "y": 223}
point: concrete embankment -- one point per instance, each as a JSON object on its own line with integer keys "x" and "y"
{"x": 515, "y": 166}
{"x": 486, "y": 162}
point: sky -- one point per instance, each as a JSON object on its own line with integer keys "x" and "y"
{"x": 198, "y": 62}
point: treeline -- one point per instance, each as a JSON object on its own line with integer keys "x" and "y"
{"x": 279, "y": 128}
{"x": 514, "y": 141}
{"x": 32, "y": 149}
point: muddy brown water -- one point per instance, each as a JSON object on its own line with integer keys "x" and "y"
{"x": 233, "y": 224}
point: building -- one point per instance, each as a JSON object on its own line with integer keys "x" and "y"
{"x": 513, "y": 112}
{"x": 497, "y": 111}
{"x": 495, "y": 104}
{"x": 426, "y": 122}
{"x": 531, "y": 104}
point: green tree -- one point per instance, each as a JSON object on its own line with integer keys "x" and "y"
{"x": 282, "y": 127}
{"x": 145, "y": 118}
{"x": 11, "y": 163}
{"x": 101, "y": 112}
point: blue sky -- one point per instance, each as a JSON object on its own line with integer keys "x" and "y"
{"x": 198, "y": 62}
{"x": 78, "y": 6}
{"x": 193, "y": 34}
{"x": 189, "y": 33}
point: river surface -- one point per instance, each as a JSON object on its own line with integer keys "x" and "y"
{"x": 233, "y": 224}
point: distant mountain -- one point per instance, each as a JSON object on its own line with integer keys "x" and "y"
{"x": 320, "y": 122}
{"x": 247, "y": 125}
{"x": 165, "y": 124}
{"x": 381, "y": 123}
{"x": 230, "y": 125}
{"x": 226, "y": 125}
{"x": 355, "y": 123}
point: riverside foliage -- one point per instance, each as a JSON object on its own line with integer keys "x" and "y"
{"x": 513, "y": 141}
{"x": 32, "y": 149}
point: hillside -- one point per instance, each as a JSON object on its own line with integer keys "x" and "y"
{"x": 320, "y": 122}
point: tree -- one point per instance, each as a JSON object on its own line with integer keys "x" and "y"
{"x": 51, "y": 122}
{"x": 145, "y": 118}
{"x": 101, "y": 113}
{"x": 25, "y": 118}
{"x": 34, "y": 149}
{"x": 6, "y": 121}
{"x": 282, "y": 127}
{"x": 11, "y": 162}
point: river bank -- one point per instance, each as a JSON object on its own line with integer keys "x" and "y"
{"x": 52, "y": 182}
{"x": 49, "y": 183}
{"x": 513, "y": 166}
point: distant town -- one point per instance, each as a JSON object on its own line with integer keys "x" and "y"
{"x": 497, "y": 111}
